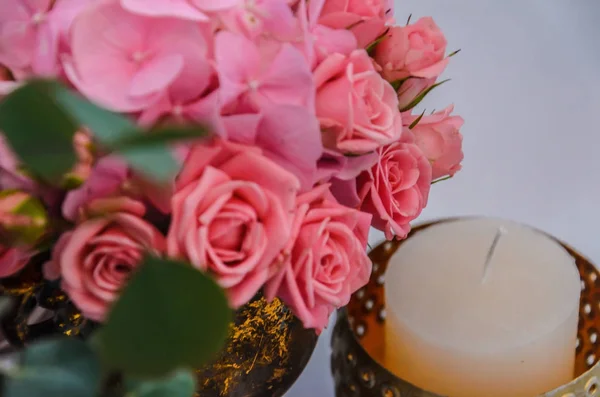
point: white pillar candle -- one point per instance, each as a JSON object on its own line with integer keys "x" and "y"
{"x": 452, "y": 331}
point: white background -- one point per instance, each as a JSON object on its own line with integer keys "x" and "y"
{"x": 527, "y": 83}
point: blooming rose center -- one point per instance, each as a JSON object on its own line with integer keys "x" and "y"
{"x": 232, "y": 233}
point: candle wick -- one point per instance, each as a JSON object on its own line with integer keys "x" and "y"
{"x": 488, "y": 259}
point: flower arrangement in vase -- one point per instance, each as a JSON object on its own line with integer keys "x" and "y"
{"x": 162, "y": 162}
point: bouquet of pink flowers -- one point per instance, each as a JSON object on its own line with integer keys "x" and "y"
{"x": 313, "y": 139}
{"x": 214, "y": 149}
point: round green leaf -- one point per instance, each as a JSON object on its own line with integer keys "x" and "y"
{"x": 169, "y": 316}
{"x": 182, "y": 383}
{"x": 65, "y": 367}
{"x": 44, "y": 141}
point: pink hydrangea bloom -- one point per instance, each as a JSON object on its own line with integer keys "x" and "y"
{"x": 254, "y": 75}
{"x": 126, "y": 62}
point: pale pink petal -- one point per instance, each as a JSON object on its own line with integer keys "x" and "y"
{"x": 156, "y": 75}
{"x": 165, "y": 8}
{"x": 237, "y": 61}
{"x": 292, "y": 138}
{"x": 288, "y": 79}
{"x": 212, "y": 5}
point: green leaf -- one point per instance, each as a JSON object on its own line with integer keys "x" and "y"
{"x": 160, "y": 137}
{"x": 38, "y": 130}
{"x": 148, "y": 149}
{"x": 453, "y": 53}
{"x": 397, "y": 83}
{"x": 111, "y": 130}
{"x": 414, "y": 123}
{"x": 445, "y": 178}
{"x": 182, "y": 383}
{"x": 170, "y": 316}
{"x": 64, "y": 367}
{"x": 422, "y": 95}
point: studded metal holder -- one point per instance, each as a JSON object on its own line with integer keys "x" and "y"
{"x": 358, "y": 339}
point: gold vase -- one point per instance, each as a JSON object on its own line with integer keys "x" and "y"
{"x": 267, "y": 348}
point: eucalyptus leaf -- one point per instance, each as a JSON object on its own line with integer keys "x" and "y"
{"x": 112, "y": 130}
{"x": 422, "y": 95}
{"x": 58, "y": 368}
{"x": 38, "y": 130}
{"x": 181, "y": 383}
{"x": 161, "y": 136}
{"x": 170, "y": 316}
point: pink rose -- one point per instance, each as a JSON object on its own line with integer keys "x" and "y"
{"x": 96, "y": 259}
{"x": 357, "y": 109}
{"x": 366, "y": 19}
{"x": 396, "y": 189}
{"x": 12, "y": 260}
{"x": 325, "y": 258}
{"x": 414, "y": 50}
{"x": 231, "y": 215}
{"x": 439, "y": 138}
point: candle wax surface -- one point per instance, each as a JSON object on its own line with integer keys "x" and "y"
{"x": 452, "y": 332}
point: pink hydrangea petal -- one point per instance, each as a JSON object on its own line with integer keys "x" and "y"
{"x": 292, "y": 138}
{"x": 211, "y": 5}
{"x": 288, "y": 79}
{"x": 156, "y": 75}
{"x": 237, "y": 61}
{"x": 165, "y": 8}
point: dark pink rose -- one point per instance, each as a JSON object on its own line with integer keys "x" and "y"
{"x": 231, "y": 215}
{"x": 325, "y": 259}
{"x": 414, "y": 50}
{"x": 396, "y": 189}
{"x": 357, "y": 109}
{"x": 439, "y": 138}
{"x": 96, "y": 259}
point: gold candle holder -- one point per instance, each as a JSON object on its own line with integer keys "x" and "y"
{"x": 358, "y": 339}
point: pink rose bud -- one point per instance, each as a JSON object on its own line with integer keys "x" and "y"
{"x": 23, "y": 218}
{"x": 396, "y": 189}
{"x": 414, "y": 50}
{"x": 439, "y": 138}
{"x": 366, "y": 19}
{"x": 357, "y": 109}
{"x": 410, "y": 90}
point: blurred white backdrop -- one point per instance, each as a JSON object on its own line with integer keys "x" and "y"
{"x": 527, "y": 83}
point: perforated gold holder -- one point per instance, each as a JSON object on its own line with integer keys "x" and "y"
{"x": 358, "y": 337}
